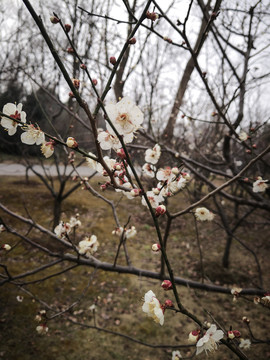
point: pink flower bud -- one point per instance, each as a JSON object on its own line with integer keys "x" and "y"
{"x": 248, "y": 151}
{"x": 254, "y": 146}
{"x": 132, "y": 41}
{"x": 156, "y": 247}
{"x": 230, "y": 335}
{"x": 94, "y": 81}
{"x": 54, "y": 20}
{"x": 70, "y": 50}
{"x": 67, "y": 27}
{"x": 236, "y": 333}
{"x": 71, "y": 143}
{"x": 160, "y": 210}
{"x": 76, "y": 83}
{"x": 83, "y": 67}
{"x": 103, "y": 187}
{"x": 152, "y": 16}
{"x": 167, "y": 39}
{"x": 121, "y": 153}
{"x": 168, "y": 303}
{"x": 112, "y": 60}
{"x": 135, "y": 192}
{"x": 193, "y": 336}
{"x": 167, "y": 285}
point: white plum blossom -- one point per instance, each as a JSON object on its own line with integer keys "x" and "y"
{"x": 176, "y": 355}
{"x": 245, "y": 344}
{"x": 165, "y": 174}
{"x": 204, "y": 214}
{"x": 110, "y": 163}
{"x": 209, "y": 341}
{"x": 243, "y": 136}
{"x": 47, "y": 149}
{"x": 62, "y": 229}
{"x": 125, "y": 116}
{"x": 149, "y": 170}
{"x": 74, "y": 222}
{"x": 32, "y": 135}
{"x": 130, "y": 233}
{"x": 118, "y": 231}
{"x": 88, "y": 246}
{"x": 14, "y": 111}
{"x": 91, "y": 162}
{"x": 108, "y": 141}
{"x": 260, "y": 185}
{"x": 153, "y": 198}
{"x": 152, "y": 155}
{"x": 153, "y": 308}
{"x": 42, "y": 329}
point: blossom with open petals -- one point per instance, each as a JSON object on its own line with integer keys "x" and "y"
{"x": 14, "y": 111}
{"x": 209, "y": 341}
{"x": 260, "y": 185}
{"x": 244, "y": 344}
{"x": 88, "y": 246}
{"x": 62, "y": 229}
{"x": 176, "y": 355}
{"x": 153, "y": 199}
{"x": 108, "y": 141}
{"x": 152, "y": 307}
{"x": 149, "y": 170}
{"x": 42, "y": 329}
{"x": 204, "y": 214}
{"x": 243, "y": 136}
{"x": 125, "y": 116}
{"x": 47, "y": 149}
{"x": 152, "y": 155}
{"x": 32, "y": 135}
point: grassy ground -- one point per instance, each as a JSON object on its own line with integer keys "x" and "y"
{"x": 119, "y": 297}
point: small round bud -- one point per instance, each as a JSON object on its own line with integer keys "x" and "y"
{"x": 236, "y": 333}
{"x": 94, "y": 81}
{"x": 135, "y": 192}
{"x": 76, "y": 83}
{"x": 156, "y": 247}
{"x": 193, "y": 336}
{"x": 121, "y": 153}
{"x": 83, "y": 67}
{"x": 254, "y": 146}
{"x": 112, "y": 60}
{"x": 245, "y": 319}
{"x": 152, "y": 16}
{"x": 54, "y": 20}
{"x": 71, "y": 143}
{"x": 6, "y": 247}
{"x": 167, "y": 39}
{"x": 160, "y": 210}
{"x": 103, "y": 187}
{"x": 248, "y": 151}
{"x": 70, "y": 50}
{"x": 132, "y": 41}
{"x": 245, "y": 179}
{"x": 176, "y": 155}
{"x": 168, "y": 303}
{"x": 175, "y": 170}
{"x": 230, "y": 335}
{"x": 67, "y": 27}
{"x": 167, "y": 285}
{"x": 156, "y": 191}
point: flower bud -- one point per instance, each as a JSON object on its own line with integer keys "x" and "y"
{"x": 42, "y": 329}
{"x": 94, "y": 81}
{"x": 103, "y": 187}
{"x": 167, "y": 39}
{"x": 248, "y": 151}
{"x": 132, "y": 41}
{"x": 193, "y": 336}
{"x": 135, "y": 192}
{"x": 76, "y": 83}
{"x": 230, "y": 335}
{"x": 83, "y": 67}
{"x": 156, "y": 247}
{"x": 245, "y": 319}
{"x": 6, "y": 247}
{"x": 167, "y": 285}
{"x": 152, "y": 16}
{"x": 70, "y": 50}
{"x": 160, "y": 210}
{"x": 67, "y": 27}
{"x": 168, "y": 303}
{"x": 71, "y": 143}
{"x": 121, "y": 153}
{"x": 156, "y": 191}
{"x": 254, "y": 146}
{"x": 175, "y": 170}
{"x": 54, "y": 20}
{"x": 112, "y": 60}
{"x": 236, "y": 333}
